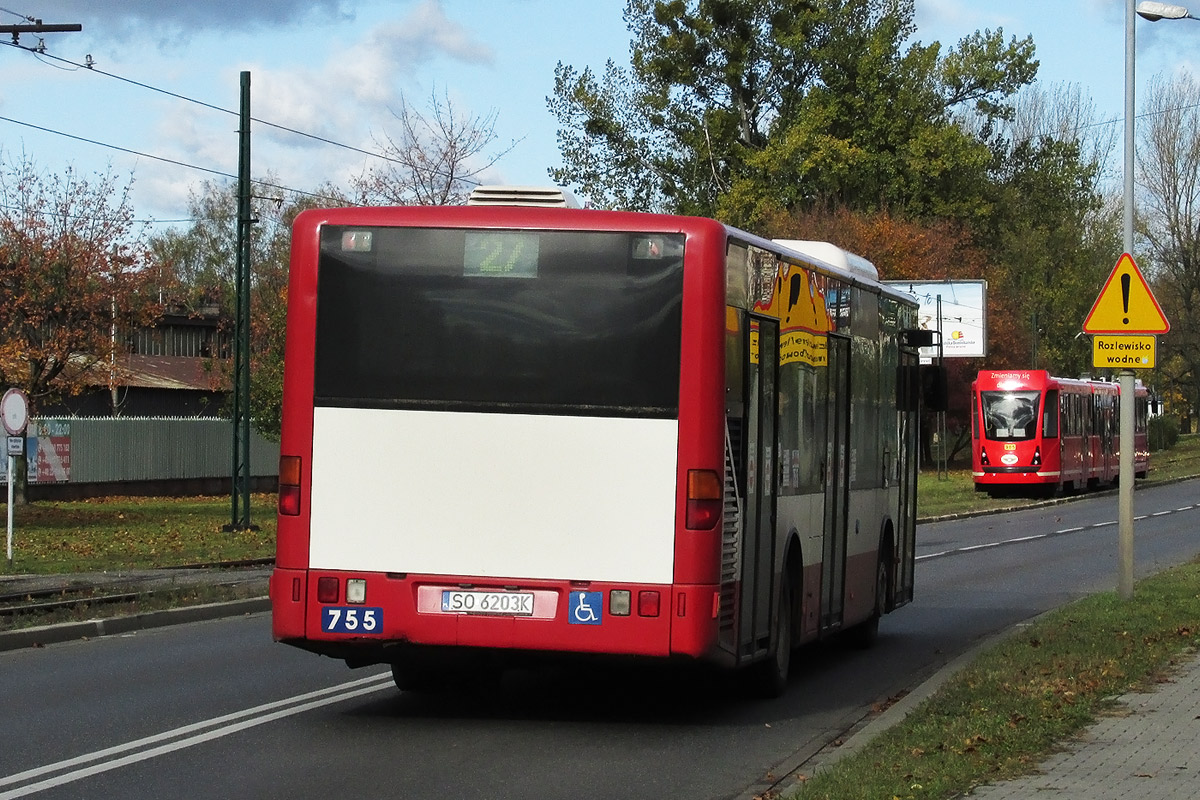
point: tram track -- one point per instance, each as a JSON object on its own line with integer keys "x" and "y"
{"x": 42, "y": 597}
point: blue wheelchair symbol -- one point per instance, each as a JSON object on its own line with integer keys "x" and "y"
{"x": 585, "y": 608}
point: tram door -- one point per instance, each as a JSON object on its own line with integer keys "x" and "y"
{"x": 837, "y": 484}
{"x": 758, "y": 548}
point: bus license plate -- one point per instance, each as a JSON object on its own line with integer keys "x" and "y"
{"x": 351, "y": 619}
{"x": 518, "y": 604}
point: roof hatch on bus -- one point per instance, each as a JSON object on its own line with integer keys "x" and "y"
{"x": 538, "y": 196}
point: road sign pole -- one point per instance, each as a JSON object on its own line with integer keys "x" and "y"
{"x": 12, "y": 474}
{"x": 1125, "y": 477}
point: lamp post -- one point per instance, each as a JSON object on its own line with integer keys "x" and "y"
{"x": 1152, "y": 11}
{"x": 1156, "y": 11}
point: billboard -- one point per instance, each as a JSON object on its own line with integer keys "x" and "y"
{"x": 962, "y": 320}
{"x": 47, "y": 453}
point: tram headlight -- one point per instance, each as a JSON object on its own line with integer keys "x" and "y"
{"x": 983, "y": 459}
{"x": 1037, "y": 456}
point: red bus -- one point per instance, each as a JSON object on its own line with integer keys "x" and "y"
{"x": 514, "y": 432}
{"x": 1035, "y": 434}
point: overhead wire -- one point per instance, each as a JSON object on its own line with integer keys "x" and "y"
{"x": 91, "y": 67}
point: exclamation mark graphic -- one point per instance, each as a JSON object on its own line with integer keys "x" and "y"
{"x": 1125, "y": 279}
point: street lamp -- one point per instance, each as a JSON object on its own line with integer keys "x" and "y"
{"x": 1156, "y": 11}
{"x": 1153, "y": 12}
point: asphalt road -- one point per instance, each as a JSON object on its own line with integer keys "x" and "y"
{"x": 217, "y": 710}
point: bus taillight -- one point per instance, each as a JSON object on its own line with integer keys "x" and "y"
{"x": 703, "y": 499}
{"x": 289, "y": 485}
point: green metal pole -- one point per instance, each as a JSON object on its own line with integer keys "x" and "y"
{"x": 240, "y": 499}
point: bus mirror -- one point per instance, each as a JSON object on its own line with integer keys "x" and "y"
{"x": 934, "y": 391}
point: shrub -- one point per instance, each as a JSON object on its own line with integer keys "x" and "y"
{"x": 1163, "y": 432}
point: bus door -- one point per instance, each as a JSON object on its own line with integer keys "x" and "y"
{"x": 758, "y": 531}
{"x": 837, "y": 484}
{"x": 906, "y": 465}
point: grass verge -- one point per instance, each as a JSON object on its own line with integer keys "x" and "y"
{"x": 120, "y": 533}
{"x": 953, "y": 492}
{"x": 1003, "y": 714}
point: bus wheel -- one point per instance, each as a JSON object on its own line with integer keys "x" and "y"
{"x": 768, "y": 678}
{"x": 420, "y": 678}
{"x": 864, "y": 634}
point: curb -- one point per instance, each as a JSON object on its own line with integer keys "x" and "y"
{"x": 95, "y": 628}
{"x": 1143, "y": 484}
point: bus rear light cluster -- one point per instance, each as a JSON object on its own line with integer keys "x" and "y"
{"x": 620, "y": 603}
{"x": 327, "y": 590}
{"x": 289, "y": 485}
{"x": 648, "y": 603}
{"x": 356, "y": 591}
{"x": 704, "y": 496}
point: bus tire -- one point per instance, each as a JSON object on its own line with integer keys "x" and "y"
{"x": 768, "y": 678}
{"x": 866, "y": 633}
{"x": 414, "y": 678}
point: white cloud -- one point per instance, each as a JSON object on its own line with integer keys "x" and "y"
{"x": 347, "y": 97}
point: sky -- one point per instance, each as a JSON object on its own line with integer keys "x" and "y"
{"x": 164, "y": 85}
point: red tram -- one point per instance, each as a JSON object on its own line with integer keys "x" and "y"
{"x": 1034, "y": 433}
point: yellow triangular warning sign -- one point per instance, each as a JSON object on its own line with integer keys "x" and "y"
{"x": 1126, "y": 304}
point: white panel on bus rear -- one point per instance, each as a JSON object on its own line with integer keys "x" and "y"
{"x": 494, "y": 495}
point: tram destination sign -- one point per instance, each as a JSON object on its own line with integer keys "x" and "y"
{"x": 1124, "y": 351}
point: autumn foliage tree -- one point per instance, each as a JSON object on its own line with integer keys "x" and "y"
{"x": 73, "y": 278}
{"x": 73, "y": 281}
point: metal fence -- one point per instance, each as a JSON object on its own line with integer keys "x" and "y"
{"x": 85, "y": 450}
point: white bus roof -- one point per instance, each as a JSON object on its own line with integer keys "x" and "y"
{"x": 833, "y": 255}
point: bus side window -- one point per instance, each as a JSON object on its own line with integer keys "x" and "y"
{"x": 1050, "y": 415}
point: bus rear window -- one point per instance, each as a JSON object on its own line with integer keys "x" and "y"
{"x": 1009, "y": 415}
{"x": 536, "y": 321}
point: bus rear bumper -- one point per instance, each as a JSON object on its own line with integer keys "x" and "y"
{"x": 393, "y": 615}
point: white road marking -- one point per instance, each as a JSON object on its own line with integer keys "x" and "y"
{"x": 969, "y": 548}
{"x": 194, "y": 734}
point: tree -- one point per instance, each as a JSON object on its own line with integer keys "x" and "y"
{"x": 434, "y": 159}
{"x": 1168, "y": 170}
{"x": 927, "y": 251}
{"x": 73, "y": 278}
{"x": 742, "y": 108}
{"x": 1050, "y": 232}
{"x": 203, "y": 259}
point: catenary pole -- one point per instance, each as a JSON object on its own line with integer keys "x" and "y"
{"x": 240, "y": 484}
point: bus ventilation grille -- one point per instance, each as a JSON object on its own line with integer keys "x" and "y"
{"x": 536, "y": 196}
{"x": 731, "y": 553}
